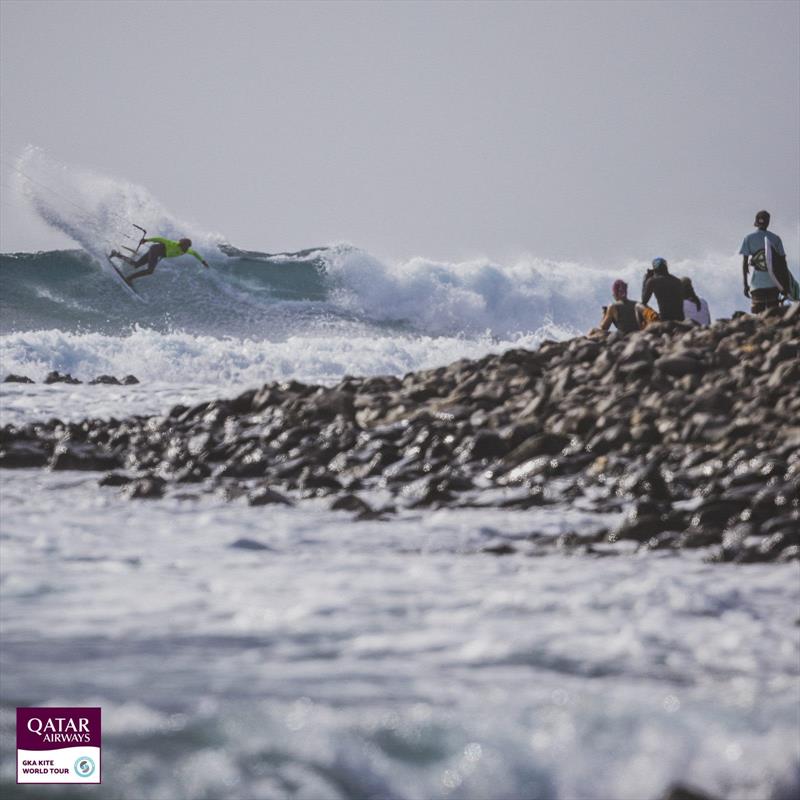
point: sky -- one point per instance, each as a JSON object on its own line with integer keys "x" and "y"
{"x": 450, "y": 130}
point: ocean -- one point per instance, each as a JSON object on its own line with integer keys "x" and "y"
{"x": 255, "y": 652}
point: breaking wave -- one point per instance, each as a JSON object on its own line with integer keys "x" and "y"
{"x": 250, "y": 293}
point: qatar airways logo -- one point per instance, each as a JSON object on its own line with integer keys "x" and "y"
{"x": 58, "y": 745}
{"x": 64, "y": 730}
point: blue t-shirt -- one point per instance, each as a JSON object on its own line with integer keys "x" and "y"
{"x": 751, "y": 245}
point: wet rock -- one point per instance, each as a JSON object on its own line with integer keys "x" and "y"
{"x": 694, "y": 539}
{"x": 248, "y": 544}
{"x": 263, "y": 496}
{"x": 351, "y": 502}
{"x": 637, "y": 527}
{"x": 17, "y": 379}
{"x": 232, "y": 491}
{"x": 791, "y": 553}
{"x": 609, "y": 440}
{"x": 485, "y": 444}
{"x": 251, "y": 464}
{"x": 498, "y": 549}
{"x": 24, "y": 454}
{"x": 129, "y": 380}
{"x": 76, "y": 455}
{"x": 734, "y": 543}
{"x": 319, "y": 482}
{"x": 680, "y": 791}
{"x": 537, "y": 445}
{"x": 193, "y": 471}
{"x": 792, "y": 315}
{"x": 105, "y": 379}
{"x": 115, "y": 479}
{"x": 647, "y": 481}
{"x": 430, "y": 491}
{"x": 147, "y": 488}
{"x": 57, "y": 377}
{"x": 772, "y": 546}
{"x": 787, "y": 523}
{"x": 679, "y": 365}
{"x": 716, "y": 511}
{"x": 667, "y": 540}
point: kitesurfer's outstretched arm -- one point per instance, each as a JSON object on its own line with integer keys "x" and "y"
{"x": 175, "y": 249}
{"x": 198, "y": 257}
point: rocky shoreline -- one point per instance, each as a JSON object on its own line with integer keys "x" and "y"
{"x": 695, "y": 431}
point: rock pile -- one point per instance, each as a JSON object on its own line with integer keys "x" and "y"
{"x": 695, "y": 429}
{"x": 57, "y": 377}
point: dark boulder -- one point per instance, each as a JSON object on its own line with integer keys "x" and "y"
{"x": 24, "y": 454}
{"x": 679, "y": 365}
{"x": 77, "y": 455}
{"x": 248, "y": 544}
{"x": 115, "y": 479}
{"x": 263, "y": 496}
{"x": 150, "y": 487}
{"x": 105, "y": 379}
{"x": 680, "y": 791}
{"x": 57, "y": 377}
{"x": 351, "y": 502}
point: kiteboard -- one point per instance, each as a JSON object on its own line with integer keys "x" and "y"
{"x": 779, "y": 272}
{"x": 124, "y": 283}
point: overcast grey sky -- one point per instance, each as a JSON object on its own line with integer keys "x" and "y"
{"x": 573, "y": 129}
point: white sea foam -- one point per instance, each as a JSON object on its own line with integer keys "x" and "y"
{"x": 181, "y": 367}
{"x": 95, "y": 210}
{"x": 480, "y": 295}
{"x": 187, "y": 358}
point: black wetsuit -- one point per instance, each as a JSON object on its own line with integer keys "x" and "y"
{"x": 152, "y": 256}
{"x": 669, "y": 292}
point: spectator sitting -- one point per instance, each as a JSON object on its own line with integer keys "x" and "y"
{"x": 623, "y": 313}
{"x": 667, "y": 289}
{"x": 694, "y": 308}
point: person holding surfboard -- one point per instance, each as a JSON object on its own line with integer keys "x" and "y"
{"x": 161, "y": 248}
{"x": 763, "y": 251}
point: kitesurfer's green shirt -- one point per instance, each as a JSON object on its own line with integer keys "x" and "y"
{"x": 174, "y": 249}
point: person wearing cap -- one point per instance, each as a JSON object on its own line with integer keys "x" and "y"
{"x": 622, "y": 313}
{"x": 762, "y": 291}
{"x": 162, "y": 248}
{"x": 667, "y": 288}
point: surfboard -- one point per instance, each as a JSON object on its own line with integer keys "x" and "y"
{"x": 122, "y": 282}
{"x": 779, "y": 272}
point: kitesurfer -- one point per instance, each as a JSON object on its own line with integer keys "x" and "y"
{"x": 667, "y": 288}
{"x": 161, "y": 248}
{"x": 762, "y": 291}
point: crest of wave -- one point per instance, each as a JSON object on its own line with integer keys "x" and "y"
{"x": 480, "y": 295}
{"x": 96, "y": 211}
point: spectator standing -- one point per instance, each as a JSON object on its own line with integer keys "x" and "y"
{"x": 761, "y": 290}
